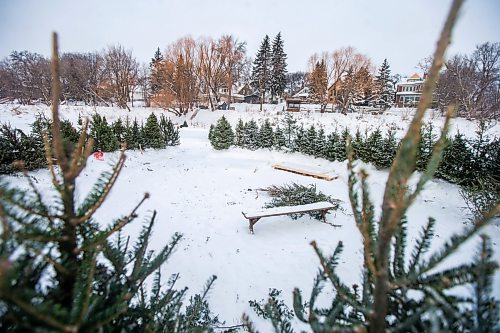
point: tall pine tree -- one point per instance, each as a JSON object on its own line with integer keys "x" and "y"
{"x": 384, "y": 88}
{"x": 261, "y": 72}
{"x": 156, "y": 77}
{"x": 278, "y": 67}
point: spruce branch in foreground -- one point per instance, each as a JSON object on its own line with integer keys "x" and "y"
{"x": 396, "y": 294}
{"x": 61, "y": 271}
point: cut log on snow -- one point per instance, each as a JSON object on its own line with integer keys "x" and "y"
{"x": 317, "y": 175}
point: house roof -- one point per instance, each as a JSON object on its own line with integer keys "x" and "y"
{"x": 415, "y": 76}
{"x": 304, "y": 92}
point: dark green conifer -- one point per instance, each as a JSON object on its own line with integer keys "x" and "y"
{"x": 359, "y": 146}
{"x": 389, "y": 149}
{"x": 102, "y": 133}
{"x": 62, "y": 271}
{"x": 279, "y": 138}
{"x": 375, "y": 148}
{"x": 427, "y": 139}
{"x": 119, "y": 130}
{"x": 386, "y": 299}
{"x": 222, "y": 135}
{"x": 239, "y": 134}
{"x": 153, "y": 137}
{"x": 266, "y": 135}
{"x": 289, "y": 126}
{"x": 309, "y": 141}
{"x": 332, "y": 142}
{"x": 170, "y": 134}
{"x": 300, "y": 141}
{"x": 251, "y": 135}
{"x": 320, "y": 144}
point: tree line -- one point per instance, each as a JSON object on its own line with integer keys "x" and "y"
{"x": 15, "y": 145}
{"x": 204, "y": 71}
{"x": 472, "y": 163}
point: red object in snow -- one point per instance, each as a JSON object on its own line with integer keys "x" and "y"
{"x": 99, "y": 155}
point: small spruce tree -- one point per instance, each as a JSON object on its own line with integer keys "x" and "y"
{"x": 251, "y": 135}
{"x": 279, "y": 138}
{"x": 320, "y": 144}
{"x": 153, "y": 136}
{"x": 266, "y": 135}
{"x": 222, "y": 134}
{"x": 239, "y": 134}
{"x": 169, "y": 132}
{"x": 290, "y": 127}
{"x": 102, "y": 133}
{"x": 309, "y": 141}
{"x": 332, "y": 143}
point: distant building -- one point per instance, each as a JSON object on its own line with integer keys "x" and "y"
{"x": 302, "y": 95}
{"x": 408, "y": 90}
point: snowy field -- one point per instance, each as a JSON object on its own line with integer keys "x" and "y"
{"x": 201, "y": 193}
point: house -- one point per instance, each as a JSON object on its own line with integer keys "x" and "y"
{"x": 252, "y": 99}
{"x": 408, "y": 91}
{"x": 302, "y": 95}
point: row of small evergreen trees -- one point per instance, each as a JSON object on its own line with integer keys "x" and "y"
{"x": 15, "y": 145}
{"x": 464, "y": 159}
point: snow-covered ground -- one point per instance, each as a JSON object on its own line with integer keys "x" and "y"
{"x": 201, "y": 193}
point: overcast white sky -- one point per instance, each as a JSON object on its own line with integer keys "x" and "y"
{"x": 403, "y": 31}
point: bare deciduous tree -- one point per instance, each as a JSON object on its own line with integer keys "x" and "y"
{"x": 121, "y": 74}
{"x": 473, "y": 82}
{"x": 27, "y": 77}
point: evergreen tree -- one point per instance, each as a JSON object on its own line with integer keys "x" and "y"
{"x": 211, "y": 132}
{"x": 427, "y": 139}
{"x": 295, "y": 194}
{"x": 169, "y": 132}
{"x": 309, "y": 142}
{"x": 363, "y": 94}
{"x": 156, "y": 77}
{"x": 340, "y": 148}
{"x": 300, "y": 144}
{"x": 332, "y": 142}
{"x": 119, "y": 130}
{"x": 251, "y": 135}
{"x": 375, "y": 148}
{"x": 385, "y": 300}
{"x": 278, "y": 67}
{"x": 102, "y": 133}
{"x": 61, "y": 271}
{"x": 239, "y": 134}
{"x": 457, "y": 163}
{"x": 389, "y": 149}
{"x": 134, "y": 137}
{"x": 320, "y": 144}
{"x": 261, "y": 72}
{"x": 266, "y": 135}
{"x": 221, "y": 135}
{"x": 384, "y": 88}
{"x": 153, "y": 136}
{"x": 290, "y": 127}
{"x": 359, "y": 148}
{"x": 279, "y": 138}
